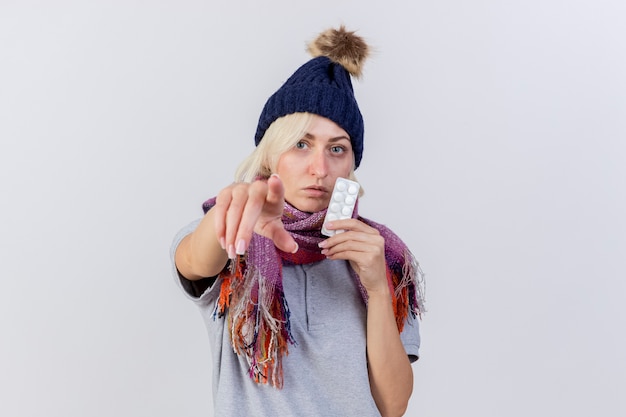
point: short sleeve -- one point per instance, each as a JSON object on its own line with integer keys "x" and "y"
{"x": 410, "y": 337}
{"x": 199, "y": 291}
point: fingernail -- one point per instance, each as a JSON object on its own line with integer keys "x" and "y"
{"x": 223, "y": 243}
{"x": 275, "y": 175}
{"x": 322, "y": 244}
{"x": 296, "y": 249}
{"x": 241, "y": 247}
{"x": 231, "y": 252}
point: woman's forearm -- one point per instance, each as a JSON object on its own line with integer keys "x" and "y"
{"x": 199, "y": 254}
{"x": 390, "y": 372}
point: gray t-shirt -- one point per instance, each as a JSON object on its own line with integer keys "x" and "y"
{"x": 325, "y": 373}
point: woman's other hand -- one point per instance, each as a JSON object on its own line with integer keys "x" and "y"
{"x": 363, "y": 247}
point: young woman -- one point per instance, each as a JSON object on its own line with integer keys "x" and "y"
{"x": 301, "y": 324}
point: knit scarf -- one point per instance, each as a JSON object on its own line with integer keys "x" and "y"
{"x": 252, "y": 290}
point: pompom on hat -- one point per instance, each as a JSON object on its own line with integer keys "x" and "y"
{"x": 323, "y": 86}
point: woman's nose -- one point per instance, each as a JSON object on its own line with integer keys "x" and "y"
{"x": 318, "y": 164}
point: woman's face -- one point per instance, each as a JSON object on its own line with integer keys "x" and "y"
{"x": 310, "y": 168}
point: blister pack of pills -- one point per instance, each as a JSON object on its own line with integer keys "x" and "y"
{"x": 342, "y": 202}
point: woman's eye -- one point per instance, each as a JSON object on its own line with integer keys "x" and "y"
{"x": 337, "y": 149}
{"x": 300, "y": 145}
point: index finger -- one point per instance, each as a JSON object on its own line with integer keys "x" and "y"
{"x": 349, "y": 224}
{"x": 276, "y": 191}
{"x": 257, "y": 195}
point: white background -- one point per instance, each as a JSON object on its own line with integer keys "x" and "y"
{"x": 494, "y": 146}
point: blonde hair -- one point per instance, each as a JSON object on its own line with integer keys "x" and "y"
{"x": 282, "y": 135}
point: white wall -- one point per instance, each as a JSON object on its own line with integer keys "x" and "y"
{"x": 504, "y": 121}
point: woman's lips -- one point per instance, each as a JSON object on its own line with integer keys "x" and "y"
{"x": 316, "y": 191}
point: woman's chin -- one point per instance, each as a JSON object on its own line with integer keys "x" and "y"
{"x": 309, "y": 205}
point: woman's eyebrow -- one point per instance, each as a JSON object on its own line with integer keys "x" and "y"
{"x": 335, "y": 139}
{"x": 339, "y": 138}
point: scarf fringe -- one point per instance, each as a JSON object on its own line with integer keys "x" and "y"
{"x": 414, "y": 279}
{"x": 407, "y": 289}
{"x": 258, "y": 322}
